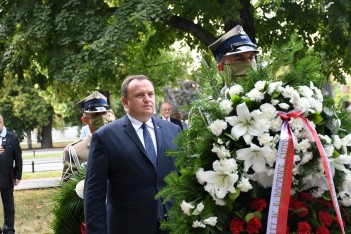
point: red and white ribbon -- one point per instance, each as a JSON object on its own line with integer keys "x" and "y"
{"x": 280, "y": 196}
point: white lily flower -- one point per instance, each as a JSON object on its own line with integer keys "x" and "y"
{"x": 220, "y": 181}
{"x": 316, "y": 180}
{"x": 254, "y": 157}
{"x": 265, "y": 179}
{"x": 339, "y": 163}
{"x": 243, "y": 124}
{"x": 337, "y": 142}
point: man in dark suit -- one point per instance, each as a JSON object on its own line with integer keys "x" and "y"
{"x": 165, "y": 111}
{"x": 127, "y": 166}
{"x": 10, "y": 174}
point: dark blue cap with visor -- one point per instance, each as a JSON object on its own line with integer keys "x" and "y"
{"x": 234, "y": 41}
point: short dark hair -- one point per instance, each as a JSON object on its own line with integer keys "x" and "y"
{"x": 126, "y": 82}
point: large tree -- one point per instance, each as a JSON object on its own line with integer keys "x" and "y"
{"x": 75, "y": 46}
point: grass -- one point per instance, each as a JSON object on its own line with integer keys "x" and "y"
{"x": 33, "y": 207}
{"x": 56, "y": 144}
{"x": 41, "y": 174}
{"x": 33, "y": 211}
{"x": 37, "y": 153}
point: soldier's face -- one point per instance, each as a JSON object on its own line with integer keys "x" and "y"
{"x": 97, "y": 120}
{"x": 140, "y": 102}
{"x": 238, "y": 58}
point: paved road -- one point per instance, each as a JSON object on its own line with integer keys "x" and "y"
{"x": 43, "y": 164}
{"x": 38, "y": 183}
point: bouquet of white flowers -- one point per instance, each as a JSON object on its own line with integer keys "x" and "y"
{"x": 268, "y": 154}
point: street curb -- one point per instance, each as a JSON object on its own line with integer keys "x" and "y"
{"x": 39, "y": 183}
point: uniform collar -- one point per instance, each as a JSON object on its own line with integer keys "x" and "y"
{"x": 3, "y": 132}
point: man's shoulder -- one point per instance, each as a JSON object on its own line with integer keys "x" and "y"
{"x": 167, "y": 124}
{"x": 73, "y": 144}
{"x": 11, "y": 134}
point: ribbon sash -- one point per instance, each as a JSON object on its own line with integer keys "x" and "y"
{"x": 280, "y": 196}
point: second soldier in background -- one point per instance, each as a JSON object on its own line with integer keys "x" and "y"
{"x": 95, "y": 113}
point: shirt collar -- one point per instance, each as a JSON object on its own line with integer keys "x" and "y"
{"x": 137, "y": 124}
{"x": 3, "y": 132}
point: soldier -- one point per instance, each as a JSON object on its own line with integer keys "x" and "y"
{"x": 96, "y": 113}
{"x": 236, "y": 50}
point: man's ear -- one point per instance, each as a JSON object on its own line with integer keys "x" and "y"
{"x": 84, "y": 120}
{"x": 220, "y": 67}
{"x": 124, "y": 101}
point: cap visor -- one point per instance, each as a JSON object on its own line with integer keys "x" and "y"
{"x": 243, "y": 49}
{"x": 96, "y": 109}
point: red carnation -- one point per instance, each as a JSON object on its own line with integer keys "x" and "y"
{"x": 303, "y": 228}
{"x": 305, "y": 196}
{"x": 258, "y": 204}
{"x": 298, "y": 207}
{"x": 326, "y": 203}
{"x": 325, "y": 218}
{"x": 322, "y": 230}
{"x": 253, "y": 225}
{"x": 345, "y": 214}
{"x": 236, "y": 225}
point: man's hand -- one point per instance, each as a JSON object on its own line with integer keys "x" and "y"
{"x": 2, "y": 150}
{"x": 17, "y": 181}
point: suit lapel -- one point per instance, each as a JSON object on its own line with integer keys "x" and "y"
{"x": 130, "y": 131}
{"x": 158, "y": 133}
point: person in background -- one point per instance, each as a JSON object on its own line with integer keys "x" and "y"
{"x": 95, "y": 113}
{"x": 85, "y": 130}
{"x": 10, "y": 174}
{"x": 127, "y": 165}
{"x": 165, "y": 111}
{"x": 236, "y": 50}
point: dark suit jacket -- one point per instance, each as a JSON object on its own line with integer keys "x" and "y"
{"x": 177, "y": 122}
{"x": 13, "y": 153}
{"x": 118, "y": 165}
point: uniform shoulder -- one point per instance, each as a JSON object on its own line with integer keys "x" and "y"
{"x": 73, "y": 143}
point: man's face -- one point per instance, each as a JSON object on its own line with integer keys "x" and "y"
{"x": 165, "y": 110}
{"x": 140, "y": 102}
{"x": 98, "y": 119}
{"x": 237, "y": 58}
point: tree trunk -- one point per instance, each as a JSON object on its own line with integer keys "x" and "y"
{"x": 46, "y": 140}
{"x": 29, "y": 139}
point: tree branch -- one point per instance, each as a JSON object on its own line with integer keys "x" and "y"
{"x": 190, "y": 27}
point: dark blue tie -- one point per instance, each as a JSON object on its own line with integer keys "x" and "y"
{"x": 151, "y": 153}
{"x": 149, "y": 146}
